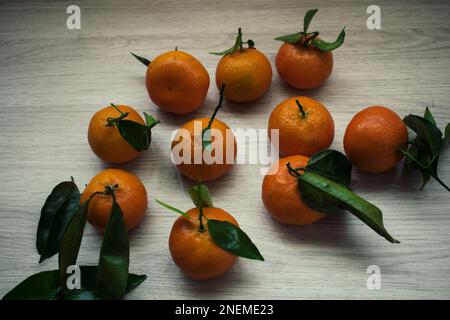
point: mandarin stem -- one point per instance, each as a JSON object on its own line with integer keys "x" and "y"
{"x": 201, "y": 227}
{"x": 300, "y": 107}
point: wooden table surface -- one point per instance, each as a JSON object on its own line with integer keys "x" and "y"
{"x": 53, "y": 80}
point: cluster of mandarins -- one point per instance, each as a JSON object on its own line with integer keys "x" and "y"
{"x": 178, "y": 83}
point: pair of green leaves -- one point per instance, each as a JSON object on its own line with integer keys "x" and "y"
{"x": 424, "y": 150}
{"x": 138, "y": 135}
{"x": 238, "y": 45}
{"x": 56, "y": 213}
{"x": 312, "y": 37}
{"x": 225, "y": 234}
{"x": 111, "y": 279}
{"x": 323, "y": 186}
{"x": 44, "y": 286}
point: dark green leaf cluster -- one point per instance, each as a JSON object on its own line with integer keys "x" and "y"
{"x": 422, "y": 153}
{"x": 60, "y": 230}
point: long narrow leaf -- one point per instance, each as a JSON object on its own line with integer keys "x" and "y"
{"x": 71, "y": 242}
{"x": 365, "y": 211}
{"x": 57, "y": 211}
{"x": 112, "y": 274}
{"x": 232, "y": 239}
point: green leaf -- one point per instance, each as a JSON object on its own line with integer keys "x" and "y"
{"x": 424, "y": 150}
{"x": 137, "y": 135}
{"x": 45, "y": 285}
{"x": 331, "y": 164}
{"x": 446, "y": 139}
{"x": 232, "y": 239}
{"x": 71, "y": 241}
{"x": 307, "y": 19}
{"x": 56, "y": 213}
{"x": 167, "y": 206}
{"x": 88, "y": 281}
{"x": 40, "y": 286}
{"x": 225, "y": 52}
{"x": 237, "y": 45}
{"x": 144, "y": 61}
{"x": 429, "y": 116}
{"x": 292, "y": 38}
{"x": 314, "y": 198}
{"x": 150, "y": 121}
{"x": 428, "y": 134}
{"x": 348, "y": 200}
{"x": 329, "y": 46}
{"x": 200, "y": 196}
{"x": 112, "y": 275}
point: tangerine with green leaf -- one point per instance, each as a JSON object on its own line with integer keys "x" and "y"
{"x": 204, "y": 149}
{"x": 305, "y": 126}
{"x": 246, "y": 72}
{"x": 130, "y": 194}
{"x": 117, "y": 134}
{"x": 206, "y": 241}
{"x": 176, "y": 81}
{"x": 304, "y": 60}
{"x": 281, "y": 197}
{"x": 373, "y": 139}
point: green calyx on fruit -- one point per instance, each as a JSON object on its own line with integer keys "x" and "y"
{"x": 312, "y": 37}
{"x": 238, "y": 45}
{"x": 138, "y": 135}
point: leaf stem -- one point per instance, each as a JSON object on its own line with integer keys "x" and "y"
{"x": 294, "y": 171}
{"x": 110, "y": 190}
{"x": 302, "y": 110}
{"x": 238, "y": 43}
{"x": 427, "y": 169}
{"x": 201, "y": 227}
{"x": 219, "y": 105}
{"x": 310, "y": 37}
{"x": 110, "y": 122}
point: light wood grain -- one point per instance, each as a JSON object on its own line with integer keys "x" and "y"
{"x": 53, "y": 79}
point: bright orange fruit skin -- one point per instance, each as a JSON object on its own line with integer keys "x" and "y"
{"x": 247, "y": 75}
{"x": 372, "y": 138}
{"x": 303, "y": 68}
{"x": 130, "y": 195}
{"x": 281, "y": 197}
{"x": 106, "y": 142}
{"x": 177, "y": 82}
{"x": 297, "y": 135}
{"x": 195, "y": 252}
{"x": 204, "y": 172}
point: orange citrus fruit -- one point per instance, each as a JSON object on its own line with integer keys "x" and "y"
{"x": 303, "y": 67}
{"x": 188, "y": 142}
{"x": 247, "y": 74}
{"x": 305, "y": 126}
{"x": 106, "y": 141}
{"x": 177, "y": 82}
{"x": 281, "y": 196}
{"x": 130, "y": 195}
{"x": 195, "y": 252}
{"x": 373, "y": 137}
